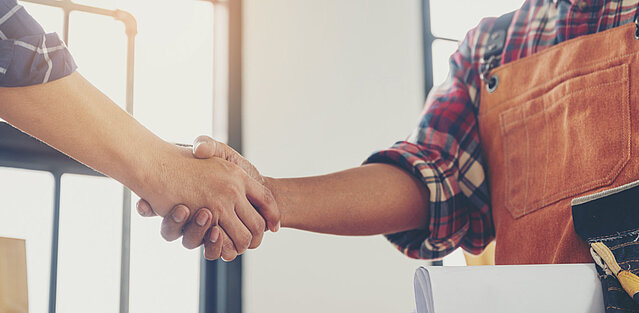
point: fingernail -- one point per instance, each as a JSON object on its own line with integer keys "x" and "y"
{"x": 277, "y": 227}
{"x": 140, "y": 210}
{"x": 202, "y": 218}
{"x": 179, "y": 215}
{"x": 215, "y": 235}
{"x": 201, "y": 143}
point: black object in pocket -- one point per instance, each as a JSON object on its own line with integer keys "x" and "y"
{"x": 609, "y": 222}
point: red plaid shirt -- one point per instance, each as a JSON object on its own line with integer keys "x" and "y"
{"x": 444, "y": 151}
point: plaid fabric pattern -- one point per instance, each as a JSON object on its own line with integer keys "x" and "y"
{"x": 28, "y": 55}
{"x": 444, "y": 151}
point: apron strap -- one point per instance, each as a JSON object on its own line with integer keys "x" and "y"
{"x": 495, "y": 44}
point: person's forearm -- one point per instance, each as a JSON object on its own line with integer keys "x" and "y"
{"x": 74, "y": 117}
{"x": 367, "y": 200}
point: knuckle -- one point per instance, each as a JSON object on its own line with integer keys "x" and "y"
{"x": 211, "y": 253}
{"x": 261, "y": 225}
{"x": 219, "y": 205}
{"x": 244, "y": 242}
{"x": 229, "y": 256}
{"x": 226, "y": 166}
{"x": 226, "y": 213}
{"x": 216, "y": 204}
{"x": 225, "y": 146}
{"x": 215, "y": 213}
{"x": 233, "y": 158}
{"x": 234, "y": 169}
{"x": 258, "y": 226}
{"x": 233, "y": 189}
{"x": 211, "y": 256}
{"x": 257, "y": 240}
{"x": 228, "y": 253}
{"x": 228, "y": 246}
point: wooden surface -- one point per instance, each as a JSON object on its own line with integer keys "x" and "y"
{"x": 13, "y": 276}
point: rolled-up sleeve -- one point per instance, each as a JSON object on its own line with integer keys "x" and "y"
{"x": 28, "y": 55}
{"x": 444, "y": 152}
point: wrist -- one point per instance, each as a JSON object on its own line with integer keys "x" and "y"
{"x": 149, "y": 174}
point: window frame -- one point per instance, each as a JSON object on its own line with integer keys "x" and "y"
{"x": 220, "y": 282}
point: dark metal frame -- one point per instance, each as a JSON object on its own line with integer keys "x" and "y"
{"x": 58, "y": 164}
{"x": 221, "y": 283}
{"x": 429, "y": 38}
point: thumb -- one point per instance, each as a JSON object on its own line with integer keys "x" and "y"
{"x": 205, "y": 147}
{"x": 262, "y": 199}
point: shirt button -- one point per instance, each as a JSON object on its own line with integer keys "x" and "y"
{"x": 582, "y": 5}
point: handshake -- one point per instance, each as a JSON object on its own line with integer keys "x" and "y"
{"x": 211, "y": 196}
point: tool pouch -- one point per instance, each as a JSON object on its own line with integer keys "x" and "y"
{"x": 609, "y": 222}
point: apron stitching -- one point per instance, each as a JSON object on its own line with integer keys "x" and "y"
{"x": 615, "y": 236}
{"x": 527, "y": 161}
{"x": 623, "y": 80}
{"x": 591, "y": 68}
{"x": 543, "y": 195}
{"x": 555, "y": 48}
{"x": 627, "y": 261}
{"x": 622, "y": 309}
{"x": 565, "y": 193}
{"x": 507, "y": 173}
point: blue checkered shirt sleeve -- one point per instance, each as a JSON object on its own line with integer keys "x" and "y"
{"x": 28, "y": 55}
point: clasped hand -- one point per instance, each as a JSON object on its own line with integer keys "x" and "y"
{"x": 233, "y": 207}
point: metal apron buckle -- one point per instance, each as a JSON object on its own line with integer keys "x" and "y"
{"x": 494, "y": 48}
{"x": 493, "y": 81}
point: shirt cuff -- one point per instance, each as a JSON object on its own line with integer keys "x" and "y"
{"x": 422, "y": 243}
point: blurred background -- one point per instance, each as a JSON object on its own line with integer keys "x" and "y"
{"x": 320, "y": 85}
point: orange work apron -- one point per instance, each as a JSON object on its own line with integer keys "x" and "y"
{"x": 560, "y": 124}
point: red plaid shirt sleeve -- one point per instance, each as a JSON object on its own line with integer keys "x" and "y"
{"x": 444, "y": 150}
{"x": 444, "y": 153}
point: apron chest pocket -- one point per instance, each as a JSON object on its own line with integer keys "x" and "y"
{"x": 573, "y": 137}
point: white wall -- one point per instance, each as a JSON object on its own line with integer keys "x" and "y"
{"x": 325, "y": 84}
